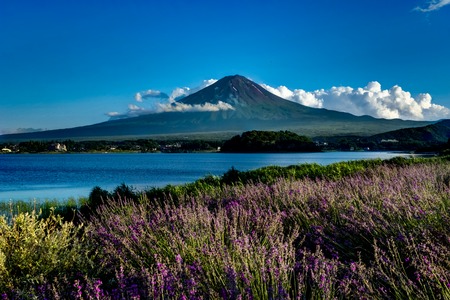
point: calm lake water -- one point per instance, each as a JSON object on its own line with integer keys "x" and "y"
{"x": 61, "y": 176}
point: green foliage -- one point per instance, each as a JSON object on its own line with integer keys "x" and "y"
{"x": 269, "y": 141}
{"x": 97, "y": 197}
{"x": 124, "y": 191}
{"x": 34, "y": 146}
{"x": 138, "y": 145}
{"x": 65, "y": 209}
{"x": 183, "y": 146}
{"x": 36, "y": 250}
{"x": 271, "y": 173}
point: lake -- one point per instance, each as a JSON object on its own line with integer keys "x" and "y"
{"x": 61, "y": 176}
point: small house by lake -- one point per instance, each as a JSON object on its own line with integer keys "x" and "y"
{"x": 58, "y": 147}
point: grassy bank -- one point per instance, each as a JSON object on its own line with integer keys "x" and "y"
{"x": 366, "y": 229}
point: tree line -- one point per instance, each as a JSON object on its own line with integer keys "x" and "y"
{"x": 269, "y": 141}
{"x": 140, "y": 145}
{"x": 248, "y": 142}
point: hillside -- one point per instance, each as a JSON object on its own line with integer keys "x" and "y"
{"x": 269, "y": 141}
{"x": 253, "y": 108}
{"x": 434, "y": 133}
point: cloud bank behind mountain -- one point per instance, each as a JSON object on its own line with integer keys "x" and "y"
{"x": 370, "y": 100}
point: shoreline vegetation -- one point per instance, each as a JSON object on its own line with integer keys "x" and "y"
{"x": 373, "y": 229}
{"x": 248, "y": 142}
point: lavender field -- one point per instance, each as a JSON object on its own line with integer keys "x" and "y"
{"x": 381, "y": 232}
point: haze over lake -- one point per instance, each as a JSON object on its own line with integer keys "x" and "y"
{"x": 50, "y": 176}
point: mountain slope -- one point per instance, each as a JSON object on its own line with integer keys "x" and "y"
{"x": 254, "y": 108}
{"x": 434, "y": 133}
{"x": 250, "y": 100}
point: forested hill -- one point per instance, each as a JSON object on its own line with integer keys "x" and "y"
{"x": 434, "y": 133}
{"x": 269, "y": 141}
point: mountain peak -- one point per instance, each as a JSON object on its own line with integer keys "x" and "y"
{"x": 235, "y": 77}
{"x": 235, "y": 90}
{"x": 248, "y": 99}
{"x": 236, "y": 82}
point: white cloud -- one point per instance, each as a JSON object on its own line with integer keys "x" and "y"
{"x": 299, "y": 96}
{"x": 370, "y": 100}
{"x": 179, "y": 93}
{"x": 434, "y": 5}
{"x": 166, "y": 103}
{"x": 113, "y": 114}
{"x": 134, "y": 107}
{"x": 134, "y": 110}
{"x": 149, "y": 94}
{"x": 183, "y": 107}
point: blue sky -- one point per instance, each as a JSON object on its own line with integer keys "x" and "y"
{"x": 71, "y": 63}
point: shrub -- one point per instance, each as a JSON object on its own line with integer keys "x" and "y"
{"x": 34, "y": 251}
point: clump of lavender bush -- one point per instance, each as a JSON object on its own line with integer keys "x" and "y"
{"x": 379, "y": 232}
{"x": 382, "y": 233}
{"x": 190, "y": 251}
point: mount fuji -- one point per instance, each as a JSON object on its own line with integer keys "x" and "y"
{"x": 240, "y": 105}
